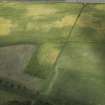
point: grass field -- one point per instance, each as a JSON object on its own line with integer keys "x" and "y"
{"x": 55, "y": 50}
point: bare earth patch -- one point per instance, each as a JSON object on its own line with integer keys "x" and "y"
{"x": 100, "y": 7}
{"x": 6, "y": 26}
{"x": 41, "y": 10}
{"x": 13, "y": 60}
{"x": 39, "y": 26}
{"x": 65, "y": 21}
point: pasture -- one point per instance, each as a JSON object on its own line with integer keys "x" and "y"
{"x": 54, "y": 51}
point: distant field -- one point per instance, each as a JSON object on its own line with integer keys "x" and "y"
{"x": 55, "y": 50}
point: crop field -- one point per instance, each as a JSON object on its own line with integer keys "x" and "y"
{"x": 52, "y": 53}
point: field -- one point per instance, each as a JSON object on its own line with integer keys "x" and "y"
{"x": 52, "y": 54}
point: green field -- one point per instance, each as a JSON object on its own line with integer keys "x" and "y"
{"x": 52, "y": 54}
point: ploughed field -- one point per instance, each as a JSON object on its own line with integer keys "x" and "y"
{"x": 52, "y": 54}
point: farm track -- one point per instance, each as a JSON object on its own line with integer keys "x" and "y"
{"x": 54, "y": 78}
